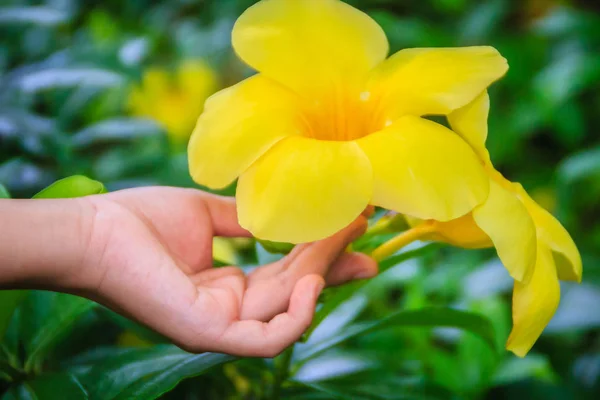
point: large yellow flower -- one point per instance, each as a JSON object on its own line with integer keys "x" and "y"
{"x": 174, "y": 100}
{"x": 532, "y": 244}
{"x": 329, "y": 125}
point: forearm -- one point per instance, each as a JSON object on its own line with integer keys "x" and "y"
{"x": 42, "y": 242}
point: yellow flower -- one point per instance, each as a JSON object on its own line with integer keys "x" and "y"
{"x": 329, "y": 125}
{"x": 533, "y": 246}
{"x": 174, "y": 100}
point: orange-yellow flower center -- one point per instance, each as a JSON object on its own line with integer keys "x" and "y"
{"x": 341, "y": 117}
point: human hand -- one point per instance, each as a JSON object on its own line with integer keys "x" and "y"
{"x": 149, "y": 256}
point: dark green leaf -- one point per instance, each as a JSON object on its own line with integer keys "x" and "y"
{"x": 146, "y": 373}
{"x": 48, "y": 326}
{"x": 431, "y": 317}
{"x": 54, "y": 386}
{"x": 7, "y": 371}
{"x": 9, "y": 300}
{"x": 168, "y": 378}
{"x": 385, "y": 386}
{"x": 141, "y": 331}
{"x": 343, "y": 293}
{"x": 73, "y": 186}
{"x": 108, "y": 379}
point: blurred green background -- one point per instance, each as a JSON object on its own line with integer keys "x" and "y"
{"x": 111, "y": 89}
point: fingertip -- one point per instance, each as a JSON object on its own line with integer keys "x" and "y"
{"x": 351, "y": 266}
{"x": 369, "y": 211}
{"x": 357, "y": 228}
{"x": 318, "y": 287}
{"x": 368, "y": 267}
{"x": 311, "y": 284}
{"x": 305, "y": 295}
{"x": 222, "y": 211}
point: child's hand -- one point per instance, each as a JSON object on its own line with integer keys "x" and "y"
{"x": 150, "y": 257}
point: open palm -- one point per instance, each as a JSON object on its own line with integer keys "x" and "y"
{"x": 150, "y": 257}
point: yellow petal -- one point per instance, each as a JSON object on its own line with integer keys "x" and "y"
{"x": 534, "y": 303}
{"x": 425, "y": 170}
{"x": 510, "y": 227}
{"x": 432, "y": 80}
{"x": 304, "y": 190}
{"x": 461, "y": 232}
{"x": 312, "y": 46}
{"x": 238, "y": 125}
{"x": 555, "y": 236}
{"x": 470, "y": 122}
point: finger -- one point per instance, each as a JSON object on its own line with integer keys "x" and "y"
{"x": 369, "y": 211}
{"x": 351, "y": 266}
{"x": 261, "y": 302}
{"x": 213, "y": 274}
{"x": 318, "y": 256}
{"x": 223, "y": 215}
{"x": 261, "y": 339}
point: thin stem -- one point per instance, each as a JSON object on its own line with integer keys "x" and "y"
{"x": 404, "y": 238}
{"x": 380, "y": 226}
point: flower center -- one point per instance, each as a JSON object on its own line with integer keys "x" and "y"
{"x": 341, "y": 117}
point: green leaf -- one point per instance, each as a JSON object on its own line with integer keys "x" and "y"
{"x": 432, "y": 317}
{"x": 276, "y": 247}
{"x": 147, "y": 373}
{"x": 480, "y": 22}
{"x": 4, "y": 192}
{"x": 7, "y": 371}
{"x": 65, "y": 78}
{"x": 50, "y": 318}
{"x": 384, "y": 385}
{"x": 518, "y": 369}
{"x": 335, "y": 365}
{"x": 73, "y": 186}
{"x": 168, "y": 378}
{"x": 581, "y": 165}
{"x": 107, "y": 379}
{"x": 116, "y": 129}
{"x": 343, "y": 293}
{"x": 139, "y": 330}
{"x": 53, "y": 386}
{"x": 9, "y": 300}
{"x": 81, "y": 364}
{"x": 40, "y": 16}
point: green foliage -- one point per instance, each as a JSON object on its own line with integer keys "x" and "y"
{"x": 9, "y": 299}
{"x": 3, "y": 192}
{"x": 432, "y": 325}
{"x": 73, "y": 186}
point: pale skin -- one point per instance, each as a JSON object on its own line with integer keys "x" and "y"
{"x": 147, "y": 254}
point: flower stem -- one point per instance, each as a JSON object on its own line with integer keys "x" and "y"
{"x": 398, "y": 242}
{"x": 380, "y": 226}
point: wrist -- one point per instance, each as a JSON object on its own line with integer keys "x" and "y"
{"x": 43, "y": 243}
